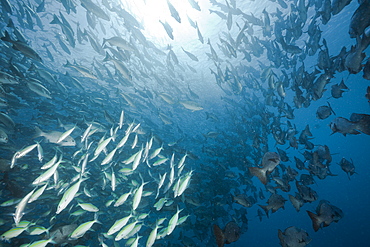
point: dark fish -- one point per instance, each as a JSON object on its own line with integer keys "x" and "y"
{"x": 338, "y": 89}
{"x": 41, "y": 7}
{"x": 244, "y": 200}
{"x": 326, "y": 12}
{"x": 296, "y": 201}
{"x": 274, "y": 203}
{"x": 283, "y": 155}
{"x": 306, "y": 179}
{"x": 367, "y": 95}
{"x": 269, "y": 161}
{"x": 347, "y": 166}
{"x": 344, "y": 126}
{"x": 293, "y": 237}
{"x": 325, "y": 215}
{"x": 261, "y": 195}
{"x": 354, "y": 58}
{"x": 338, "y": 5}
{"x": 5, "y": 4}
{"x": 299, "y": 163}
{"x": 260, "y": 214}
{"x": 360, "y": 20}
{"x": 306, "y": 193}
{"x": 230, "y": 234}
{"x": 60, "y": 235}
{"x": 324, "y": 111}
{"x": 11, "y": 185}
{"x": 363, "y": 122}
{"x": 366, "y": 70}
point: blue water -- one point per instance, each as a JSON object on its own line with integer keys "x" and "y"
{"x": 208, "y": 157}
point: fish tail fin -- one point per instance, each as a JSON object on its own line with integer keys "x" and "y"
{"x": 10, "y": 23}
{"x": 68, "y": 64}
{"x": 260, "y": 173}
{"x": 6, "y": 37}
{"x": 32, "y": 67}
{"x": 55, "y": 20}
{"x": 38, "y": 132}
{"x": 331, "y": 109}
{"x": 220, "y": 237}
{"x": 364, "y": 126}
{"x": 315, "y": 220}
{"x": 104, "y": 41}
{"x": 342, "y": 85}
{"x": 266, "y": 209}
{"x": 107, "y": 57}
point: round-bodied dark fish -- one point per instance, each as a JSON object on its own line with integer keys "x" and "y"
{"x": 230, "y": 234}
{"x": 348, "y": 167}
{"x": 324, "y": 111}
{"x": 325, "y": 215}
{"x": 294, "y": 237}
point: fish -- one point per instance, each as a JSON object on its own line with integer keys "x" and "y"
{"x": 41, "y": 243}
{"x": 66, "y": 29}
{"x": 324, "y": 111}
{"x": 191, "y": 105}
{"x": 6, "y": 78}
{"x": 82, "y": 229}
{"x": 269, "y": 161}
{"x": 174, "y": 12}
{"x": 306, "y": 193}
{"x": 173, "y": 222}
{"x": 22, "y": 47}
{"x": 152, "y": 236}
{"x": 338, "y": 89}
{"x": 275, "y": 202}
{"x": 367, "y": 95}
{"x": 244, "y": 200}
{"x": 190, "y": 55}
{"x": 230, "y": 234}
{"x": 54, "y": 136}
{"x": 347, "y": 166}
{"x": 168, "y": 29}
{"x": 358, "y": 23}
{"x": 61, "y": 234}
{"x": 19, "y": 212}
{"x": 39, "y": 89}
{"x": 357, "y": 122}
{"x": 12, "y": 233}
{"x": 68, "y": 196}
{"x": 293, "y": 237}
{"x": 296, "y": 201}
{"x": 119, "y": 42}
{"x": 325, "y": 215}
{"x": 118, "y": 225}
{"x": 95, "y": 9}
{"x": 194, "y": 5}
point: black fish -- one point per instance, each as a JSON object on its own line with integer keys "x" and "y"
{"x": 324, "y": 111}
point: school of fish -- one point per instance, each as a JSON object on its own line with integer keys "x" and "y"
{"x": 106, "y": 140}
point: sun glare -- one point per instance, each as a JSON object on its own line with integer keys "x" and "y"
{"x": 151, "y": 12}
